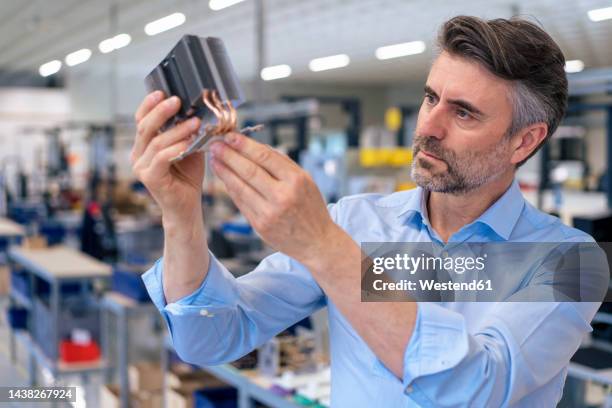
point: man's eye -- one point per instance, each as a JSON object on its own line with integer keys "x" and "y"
{"x": 463, "y": 114}
{"x": 430, "y": 99}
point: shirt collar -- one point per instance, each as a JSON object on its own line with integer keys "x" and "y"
{"x": 501, "y": 217}
{"x": 405, "y": 203}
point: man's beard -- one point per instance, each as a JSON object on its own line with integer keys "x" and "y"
{"x": 464, "y": 173}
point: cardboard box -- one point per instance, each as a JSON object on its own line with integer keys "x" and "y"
{"x": 109, "y": 398}
{"x": 188, "y": 379}
{"x": 178, "y": 398}
{"x": 5, "y": 280}
{"x": 145, "y": 376}
{"x": 34, "y": 242}
{"x": 148, "y": 399}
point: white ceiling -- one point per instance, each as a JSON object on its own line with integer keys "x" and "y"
{"x": 34, "y": 32}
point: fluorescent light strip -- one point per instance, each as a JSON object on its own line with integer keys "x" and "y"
{"x": 78, "y": 57}
{"x": 114, "y": 43}
{"x": 221, "y": 4}
{"x": 107, "y": 45}
{"x": 50, "y": 68}
{"x": 164, "y": 24}
{"x": 122, "y": 40}
{"x": 275, "y": 72}
{"x": 400, "y": 50}
{"x": 600, "y": 14}
{"x": 573, "y": 66}
{"x": 331, "y": 62}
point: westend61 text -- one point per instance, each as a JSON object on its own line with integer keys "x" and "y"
{"x": 431, "y": 284}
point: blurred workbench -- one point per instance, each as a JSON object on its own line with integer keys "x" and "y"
{"x": 10, "y": 229}
{"x": 54, "y": 265}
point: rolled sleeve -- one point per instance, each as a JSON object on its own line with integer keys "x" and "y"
{"x": 153, "y": 283}
{"x": 215, "y": 294}
{"x": 226, "y": 317}
{"x": 216, "y": 289}
{"x": 439, "y": 342}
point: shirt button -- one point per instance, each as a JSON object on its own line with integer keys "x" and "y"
{"x": 409, "y": 389}
{"x": 203, "y": 312}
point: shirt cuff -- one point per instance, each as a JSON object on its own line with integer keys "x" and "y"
{"x": 215, "y": 290}
{"x": 439, "y": 342}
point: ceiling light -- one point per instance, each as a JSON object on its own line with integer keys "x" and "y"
{"x": 78, "y": 57}
{"x": 331, "y": 62}
{"x": 164, "y": 24}
{"x": 573, "y": 66}
{"x": 221, "y": 4}
{"x": 114, "y": 43}
{"x": 122, "y": 40}
{"x": 400, "y": 50}
{"x": 50, "y": 68}
{"x": 106, "y": 46}
{"x": 600, "y": 14}
{"x": 275, "y": 72}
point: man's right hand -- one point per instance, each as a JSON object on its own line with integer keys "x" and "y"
{"x": 177, "y": 188}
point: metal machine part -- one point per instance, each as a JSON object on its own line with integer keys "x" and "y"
{"x": 203, "y": 141}
{"x": 199, "y": 72}
{"x": 196, "y": 64}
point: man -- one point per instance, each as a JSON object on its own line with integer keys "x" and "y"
{"x": 495, "y": 93}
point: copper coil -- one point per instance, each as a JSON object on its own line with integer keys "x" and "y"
{"x": 225, "y": 113}
{"x": 210, "y": 104}
{"x": 232, "y": 114}
{"x": 224, "y": 123}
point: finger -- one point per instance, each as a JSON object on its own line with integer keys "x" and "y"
{"x": 250, "y": 172}
{"x": 160, "y": 164}
{"x": 147, "y": 104}
{"x": 271, "y": 160}
{"x": 249, "y": 201}
{"x": 176, "y": 134}
{"x": 152, "y": 121}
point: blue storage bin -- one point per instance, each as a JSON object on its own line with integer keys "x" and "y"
{"x": 17, "y": 317}
{"x": 127, "y": 281}
{"x": 43, "y": 288}
{"x": 25, "y": 212}
{"x": 237, "y": 228}
{"x": 53, "y": 231}
{"x": 20, "y": 282}
{"x": 225, "y": 397}
{"x": 4, "y": 244}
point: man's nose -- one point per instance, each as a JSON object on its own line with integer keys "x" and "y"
{"x": 432, "y": 122}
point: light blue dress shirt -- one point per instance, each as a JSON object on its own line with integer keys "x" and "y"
{"x": 461, "y": 354}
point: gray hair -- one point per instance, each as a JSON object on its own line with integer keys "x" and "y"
{"x": 527, "y": 109}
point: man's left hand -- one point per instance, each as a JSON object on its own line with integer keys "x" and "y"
{"x": 278, "y": 198}
{"x": 285, "y": 207}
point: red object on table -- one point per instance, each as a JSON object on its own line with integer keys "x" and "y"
{"x": 71, "y": 352}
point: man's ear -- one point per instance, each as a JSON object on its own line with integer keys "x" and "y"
{"x": 527, "y": 140}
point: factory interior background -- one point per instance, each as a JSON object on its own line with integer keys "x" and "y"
{"x": 337, "y": 85}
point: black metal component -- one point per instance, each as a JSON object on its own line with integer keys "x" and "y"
{"x": 193, "y": 65}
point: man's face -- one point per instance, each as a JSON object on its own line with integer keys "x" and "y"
{"x": 460, "y": 142}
